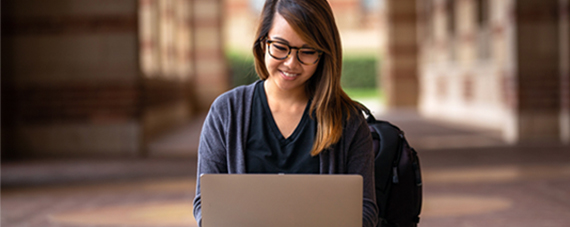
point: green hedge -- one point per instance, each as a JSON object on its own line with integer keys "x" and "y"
{"x": 357, "y": 71}
{"x": 241, "y": 69}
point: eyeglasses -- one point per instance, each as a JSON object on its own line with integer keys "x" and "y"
{"x": 281, "y": 51}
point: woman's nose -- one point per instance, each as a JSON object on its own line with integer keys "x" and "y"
{"x": 292, "y": 59}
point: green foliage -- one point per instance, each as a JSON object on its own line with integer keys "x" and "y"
{"x": 359, "y": 72}
{"x": 242, "y": 70}
{"x": 362, "y": 93}
{"x": 365, "y": 95}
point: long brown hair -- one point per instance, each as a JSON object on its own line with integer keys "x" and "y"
{"x": 314, "y": 22}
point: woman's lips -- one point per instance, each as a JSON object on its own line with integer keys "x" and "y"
{"x": 289, "y": 75}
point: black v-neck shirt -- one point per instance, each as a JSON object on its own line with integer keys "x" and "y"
{"x": 268, "y": 151}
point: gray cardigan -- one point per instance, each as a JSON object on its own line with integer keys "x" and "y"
{"x": 224, "y": 136}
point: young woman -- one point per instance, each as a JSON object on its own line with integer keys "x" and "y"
{"x": 297, "y": 118}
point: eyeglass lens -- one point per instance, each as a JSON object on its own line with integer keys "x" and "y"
{"x": 281, "y": 51}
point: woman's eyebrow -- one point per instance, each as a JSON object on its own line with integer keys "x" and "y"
{"x": 280, "y": 39}
{"x": 285, "y": 41}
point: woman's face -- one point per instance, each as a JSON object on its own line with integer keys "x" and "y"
{"x": 288, "y": 74}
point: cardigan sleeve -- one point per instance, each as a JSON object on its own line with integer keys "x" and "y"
{"x": 353, "y": 154}
{"x": 361, "y": 161}
{"x": 211, "y": 151}
{"x": 221, "y": 140}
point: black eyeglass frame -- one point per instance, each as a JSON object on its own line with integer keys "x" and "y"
{"x": 268, "y": 42}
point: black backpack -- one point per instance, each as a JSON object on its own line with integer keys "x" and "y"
{"x": 397, "y": 175}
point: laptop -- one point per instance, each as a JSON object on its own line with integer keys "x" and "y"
{"x": 281, "y": 200}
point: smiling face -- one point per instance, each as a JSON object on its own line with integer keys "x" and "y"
{"x": 287, "y": 75}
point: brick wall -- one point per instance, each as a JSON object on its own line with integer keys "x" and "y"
{"x": 509, "y": 73}
{"x": 104, "y": 77}
{"x": 167, "y": 64}
{"x": 211, "y": 72}
{"x": 80, "y": 103}
{"x": 399, "y": 69}
{"x": 467, "y": 62}
{"x": 538, "y": 57}
{"x": 71, "y": 78}
{"x": 565, "y": 70}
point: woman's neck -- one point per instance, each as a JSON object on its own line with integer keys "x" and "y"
{"x": 275, "y": 95}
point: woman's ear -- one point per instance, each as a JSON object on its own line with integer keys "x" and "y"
{"x": 262, "y": 44}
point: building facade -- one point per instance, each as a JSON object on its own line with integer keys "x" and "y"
{"x": 104, "y": 77}
{"x": 497, "y": 64}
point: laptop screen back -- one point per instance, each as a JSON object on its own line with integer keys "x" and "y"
{"x": 277, "y": 200}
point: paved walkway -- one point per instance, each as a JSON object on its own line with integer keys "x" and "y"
{"x": 471, "y": 178}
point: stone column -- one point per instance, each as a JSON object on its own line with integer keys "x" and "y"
{"x": 538, "y": 67}
{"x": 72, "y": 78}
{"x": 211, "y": 73}
{"x": 565, "y": 71}
{"x": 400, "y": 64}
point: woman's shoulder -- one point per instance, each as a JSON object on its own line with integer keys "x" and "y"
{"x": 354, "y": 118}
{"x": 353, "y": 113}
{"x": 236, "y": 95}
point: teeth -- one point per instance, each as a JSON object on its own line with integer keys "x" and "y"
{"x": 290, "y": 74}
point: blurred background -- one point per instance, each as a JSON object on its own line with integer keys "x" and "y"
{"x": 103, "y": 102}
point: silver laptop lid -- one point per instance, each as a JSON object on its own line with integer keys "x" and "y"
{"x": 278, "y": 200}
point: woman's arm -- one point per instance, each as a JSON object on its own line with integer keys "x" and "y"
{"x": 211, "y": 152}
{"x": 221, "y": 148}
{"x": 361, "y": 161}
